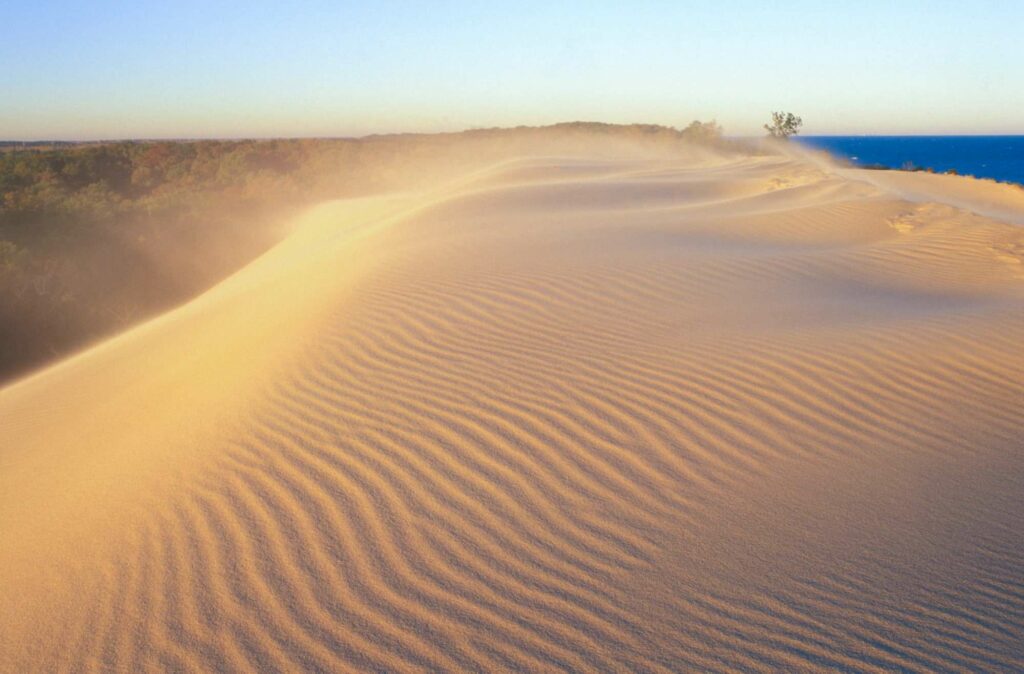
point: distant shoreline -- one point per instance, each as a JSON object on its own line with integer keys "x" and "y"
{"x": 999, "y": 158}
{"x": 929, "y": 169}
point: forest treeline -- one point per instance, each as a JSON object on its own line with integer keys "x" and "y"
{"x": 95, "y": 237}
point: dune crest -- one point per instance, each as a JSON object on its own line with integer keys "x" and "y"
{"x": 627, "y": 412}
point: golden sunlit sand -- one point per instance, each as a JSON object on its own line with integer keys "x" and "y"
{"x": 587, "y": 411}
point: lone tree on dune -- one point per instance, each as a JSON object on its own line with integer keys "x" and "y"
{"x": 784, "y": 125}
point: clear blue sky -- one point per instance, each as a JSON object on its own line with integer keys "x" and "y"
{"x": 144, "y": 68}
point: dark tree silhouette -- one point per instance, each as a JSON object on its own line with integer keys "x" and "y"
{"x": 783, "y": 125}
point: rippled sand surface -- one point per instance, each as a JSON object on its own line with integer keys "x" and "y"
{"x": 564, "y": 414}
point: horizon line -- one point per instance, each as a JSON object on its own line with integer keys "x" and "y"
{"x": 199, "y": 139}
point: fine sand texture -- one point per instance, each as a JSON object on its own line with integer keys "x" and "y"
{"x": 587, "y": 412}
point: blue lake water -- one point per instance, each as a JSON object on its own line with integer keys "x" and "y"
{"x": 997, "y": 157}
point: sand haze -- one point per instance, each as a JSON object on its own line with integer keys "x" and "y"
{"x": 581, "y": 403}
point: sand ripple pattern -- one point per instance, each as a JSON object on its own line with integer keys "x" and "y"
{"x": 590, "y": 416}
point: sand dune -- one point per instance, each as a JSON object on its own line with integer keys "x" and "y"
{"x": 565, "y": 414}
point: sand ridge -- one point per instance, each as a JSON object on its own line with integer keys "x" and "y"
{"x": 565, "y": 414}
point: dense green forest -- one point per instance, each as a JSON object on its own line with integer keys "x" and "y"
{"x": 95, "y": 237}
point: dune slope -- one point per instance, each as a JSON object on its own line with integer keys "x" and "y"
{"x": 637, "y": 414}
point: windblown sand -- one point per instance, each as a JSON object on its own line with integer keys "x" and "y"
{"x": 586, "y": 414}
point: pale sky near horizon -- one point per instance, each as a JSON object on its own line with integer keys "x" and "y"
{"x": 147, "y": 69}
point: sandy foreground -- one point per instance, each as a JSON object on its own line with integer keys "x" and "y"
{"x": 568, "y": 414}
